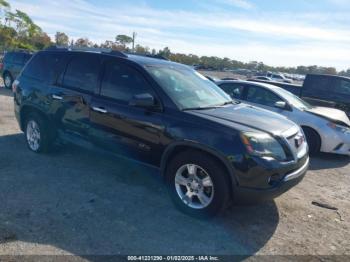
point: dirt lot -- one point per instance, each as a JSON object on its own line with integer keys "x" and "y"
{"x": 78, "y": 202}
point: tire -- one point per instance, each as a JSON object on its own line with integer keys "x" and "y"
{"x": 8, "y": 80}
{"x": 313, "y": 139}
{"x": 37, "y": 133}
{"x": 213, "y": 192}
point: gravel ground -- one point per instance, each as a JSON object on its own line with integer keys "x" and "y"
{"x": 79, "y": 202}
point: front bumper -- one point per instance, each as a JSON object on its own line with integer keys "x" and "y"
{"x": 253, "y": 195}
{"x": 336, "y": 142}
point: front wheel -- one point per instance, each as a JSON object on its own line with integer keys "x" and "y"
{"x": 197, "y": 184}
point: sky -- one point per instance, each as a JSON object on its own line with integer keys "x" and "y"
{"x": 278, "y": 33}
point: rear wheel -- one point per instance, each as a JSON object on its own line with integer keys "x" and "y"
{"x": 197, "y": 184}
{"x": 37, "y": 133}
{"x": 313, "y": 139}
{"x": 8, "y": 80}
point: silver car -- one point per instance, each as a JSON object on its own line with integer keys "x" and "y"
{"x": 326, "y": 129}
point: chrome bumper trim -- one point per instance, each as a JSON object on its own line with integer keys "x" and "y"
{"x": 298, "y": 172}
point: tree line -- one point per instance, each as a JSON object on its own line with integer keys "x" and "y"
{"x": 18, "y": 31}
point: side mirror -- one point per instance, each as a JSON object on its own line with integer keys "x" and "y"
{"x": 143, "y": 100}
{"x": 281, "y": 105}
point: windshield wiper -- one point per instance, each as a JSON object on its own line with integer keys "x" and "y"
{"x": 200, "y": 108}
{"x": 232, "y": 102}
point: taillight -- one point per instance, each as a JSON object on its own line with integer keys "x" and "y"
{"x": 1, "y": 66}
{"x": 14, "y": 86}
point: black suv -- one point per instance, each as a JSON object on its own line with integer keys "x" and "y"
{"x": 12, "y": 64}
{"x": 210, "y": 149}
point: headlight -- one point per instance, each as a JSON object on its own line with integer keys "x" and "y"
{"x": 262, "y": 144}
{"x": 338, "y": 127}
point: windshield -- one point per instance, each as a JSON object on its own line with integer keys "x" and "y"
{"x": 293, "y": 99}
{"x": 188, "y": 88}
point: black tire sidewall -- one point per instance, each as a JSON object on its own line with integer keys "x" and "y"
{"x": 216, "y": 173}
{"x": 312, "y": 140}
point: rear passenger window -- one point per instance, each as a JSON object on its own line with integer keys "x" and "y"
{"x": 82, "y": 72}
{"x": 43, "y": 67}
{"x": 122, "y": 82}
{"x": 233, "y": 90}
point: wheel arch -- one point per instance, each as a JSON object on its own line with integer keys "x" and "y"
{"x": 183, "y": 146}
{"x": 315, "y": 131}
{"x": 26, "y": 110}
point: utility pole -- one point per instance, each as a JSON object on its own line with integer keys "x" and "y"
{"x": 133, "y": 41}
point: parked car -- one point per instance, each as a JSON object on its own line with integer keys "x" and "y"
{"x": 278, "y": 78}
{"x": 324, "y": 90}
{"x": 209, "y": 149}
{"x": 326, "y": 129}
{"x": 261, "y": 78}
{"x": 229, "y": 78}
{"x": 12, "y": 64}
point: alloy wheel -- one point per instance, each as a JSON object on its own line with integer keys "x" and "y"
{"x": 194, "y": 186}
{"x": 33, "y": 135}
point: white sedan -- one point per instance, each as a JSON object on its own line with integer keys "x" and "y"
{"x": 326, "y": 129}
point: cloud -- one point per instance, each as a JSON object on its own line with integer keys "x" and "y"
{"x": 239, "y": 3}
{"x": 278, "y": 39}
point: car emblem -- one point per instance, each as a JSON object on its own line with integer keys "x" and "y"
{"x": 298, "y": 141}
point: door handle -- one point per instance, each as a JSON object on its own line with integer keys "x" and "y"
{"x": 99, "y": 109}
{"x": 56, "y": 97}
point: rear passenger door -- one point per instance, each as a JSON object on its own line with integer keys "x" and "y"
{"x": 71, "y": 95}
{"x": 120, "y": 127}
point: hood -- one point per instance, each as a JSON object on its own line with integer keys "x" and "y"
{"x": 252, "y": 117}
{"x": 331, "y": 114}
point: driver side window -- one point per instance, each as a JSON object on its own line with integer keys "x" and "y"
{"x": 121, "y": 82}
{"x": 262, "y": 96}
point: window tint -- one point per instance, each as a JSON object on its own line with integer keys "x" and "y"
{"x": 18, "y": 58}
{"x": 233, "y": 90}
{"x": 82, "y": 72}
{"x": 343, "y": 87}
{"x": 26, "y": 57}
{"x": 122, "y": 82}
{"x": 8, "y": 57}
{"x": 262, "y": 96}
{"x": 44, "y": 66}
{"x": 318, "y": 83}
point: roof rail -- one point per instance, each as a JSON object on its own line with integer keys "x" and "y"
{"x": 87, "y": 49}
{"x": 148, "y": 55}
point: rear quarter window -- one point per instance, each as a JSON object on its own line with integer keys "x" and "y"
{"x": 43, "y": 67}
